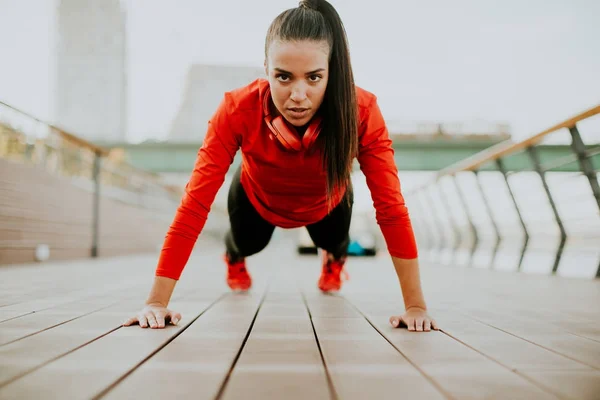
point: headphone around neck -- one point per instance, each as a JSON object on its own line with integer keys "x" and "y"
{"x": 287, "y": 135}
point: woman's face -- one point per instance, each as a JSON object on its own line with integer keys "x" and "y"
{"x": 297, "y": 73}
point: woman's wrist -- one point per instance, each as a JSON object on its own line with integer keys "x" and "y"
{"x": 421, "y": 307}
{"x": 161, "y": 292}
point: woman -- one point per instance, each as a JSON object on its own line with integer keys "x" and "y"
{"x": 299, "y": 132}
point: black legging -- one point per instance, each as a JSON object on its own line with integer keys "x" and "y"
{"x": 250, "y": 233}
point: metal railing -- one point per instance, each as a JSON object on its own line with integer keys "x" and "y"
{"x": 487, "y": 201}
{"x": 27, "y": 139}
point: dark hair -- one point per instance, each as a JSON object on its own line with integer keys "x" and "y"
{"x": 317, "y": 20}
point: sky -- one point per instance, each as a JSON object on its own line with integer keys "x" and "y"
{"x": 526, "y": 63}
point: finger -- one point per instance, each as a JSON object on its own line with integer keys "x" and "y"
{"x": 130, "y": 321}
{"x": 427, "y": 326}
{"x": 151, "y": 320}
{"x": 419, "y": 324}
{"x": 175, "y": 317}
{"x": 410, "y": 323}
{"x": 395, "y": 321}
{"x": 143, "y": 321}
{"x": 160, "y": 320}
{"x": 434, "y": 325}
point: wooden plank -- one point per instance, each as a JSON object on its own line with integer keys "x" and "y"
{"x": 28, "y": 207}
{"x": 34, "y": 366}
{"x": 380, "y": 297}
{"x": 588, "y": 330}
{"x": 49, "y": 213}
{"x": 201, "y": 357}
{"x": 22, "y": 356}
{"x": 198, "y": 361}
{"x": 46, "y": 296}
{"x": 7, "y": 315}
{"x": 281, "y": 358}
{"x": 555, "y": 339}
{"x": 461, "y": 371}
{"x": 26, "y": 254}
{"x": 566, "y": 320}
{"x": 466, "y": 367}
{"x": 332, "y": 307}
{"x": 109, "y": 353}
{"x": 28, "y": 217}
{"x": 54, "y": 283}
{"x": 541, "y": 311}
{"x": 25, "y": 355}
{"x": 361, "y": 362}
{"x": 507, "y": 349}
{"x": 576, "y": 385}
{"x": 525, "y": 358}
{"x": 32, "y": 323}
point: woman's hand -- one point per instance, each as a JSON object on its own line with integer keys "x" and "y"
{"x": 154, "y": 315}
{"x": 416, "y": 319}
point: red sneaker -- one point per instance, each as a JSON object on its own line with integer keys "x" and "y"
{"x": 332, "y": 274}
{"x": 238, "y": 277}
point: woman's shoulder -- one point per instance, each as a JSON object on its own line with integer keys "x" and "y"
{"x": 364, "y": 98}
{"x": 367, "y": 104}
{"x": 248, "y": 97}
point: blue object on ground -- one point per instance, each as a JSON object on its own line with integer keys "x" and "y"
{"x": 355, "y": 249}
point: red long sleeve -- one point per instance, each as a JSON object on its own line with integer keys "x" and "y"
{"x": 214, "y": 159}
{"x": 376, "y": 158}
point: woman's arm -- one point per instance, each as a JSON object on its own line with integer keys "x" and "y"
{"x": 410, "y": 282}
{"x": 222, "y": 141}
{"x": 220, "y": 144}
{"x": 415, "y": 317}
{"x": 376, "y": 158}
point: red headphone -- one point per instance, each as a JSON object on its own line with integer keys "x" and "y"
{"x": 287, "y": 135}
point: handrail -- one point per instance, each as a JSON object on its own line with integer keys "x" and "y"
{"x": 80, "y": 142}
{"x": 541, "y": 162}
{"x": 61, "y": 132}
{"x": 507, "y": 147}
{"x": 115, "y": 168}
{"x": 94, "y": 148}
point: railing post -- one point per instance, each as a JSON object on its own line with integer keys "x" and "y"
{"x": 563, "y": 234}
{"x": 96, "y": 204}
{"x": 434, "y": 213}
{"x": 469, "y": 218}
{"x": 585, "y": 164}
{"x": 492, "y": 219}
{"x": 450, "y": 213}
{"x": 424, "y": 223}
{"x": 504, "y": 171}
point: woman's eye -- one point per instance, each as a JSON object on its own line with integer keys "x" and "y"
{"x": 315, "y": 78}
{"x": 282, "y": 78}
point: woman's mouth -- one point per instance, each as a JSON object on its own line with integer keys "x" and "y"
{"x": 298, "y": 112}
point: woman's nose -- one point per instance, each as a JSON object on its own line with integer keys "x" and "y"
{"x": 298, "y": 94}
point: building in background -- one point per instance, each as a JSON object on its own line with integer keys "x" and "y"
{"x": 91, "y": 82}
{"x": 203, "y": 91}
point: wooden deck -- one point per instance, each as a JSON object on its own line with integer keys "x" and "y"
{"x": 505, "y": 335}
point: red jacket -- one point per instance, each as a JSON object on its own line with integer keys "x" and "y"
{"x": 286, "y": 188}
